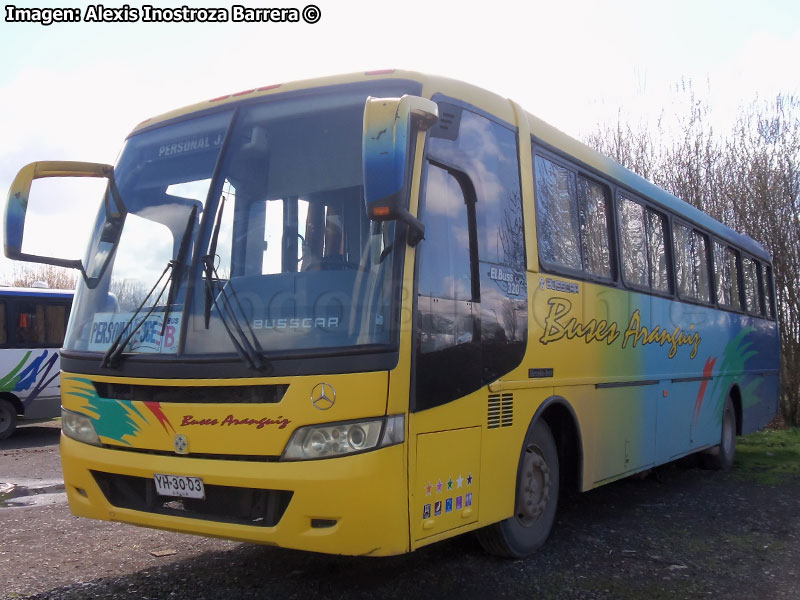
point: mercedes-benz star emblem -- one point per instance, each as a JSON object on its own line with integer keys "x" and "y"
{"x": 181, "y": 444}
{"x": 323, "y": 396}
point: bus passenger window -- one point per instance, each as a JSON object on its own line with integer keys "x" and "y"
{"x": 722, "y": 275}
{"x": 691, "y": 263}
{"x": 41, "y": 324}
{"x": 733, "y": 264}
{"x": 634, "y": 242}
{"x": 726, "y": 276}
{"x": 593, "y": 200}
{"x": 751, "y": 286}
{"x": 55, "y": 324}
{"x": 701, "y": 267}
{"x": 557, "y": 212}
{"x": 766, "y": 281}
{"x": 657, "y": 251}
{"x": 30, "y": 323}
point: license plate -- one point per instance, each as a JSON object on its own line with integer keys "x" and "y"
{"x": 179, "y": 486}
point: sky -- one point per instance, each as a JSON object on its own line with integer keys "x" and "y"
{"x": 73, "y": 91}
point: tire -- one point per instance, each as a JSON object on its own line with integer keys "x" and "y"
{"x": 536, "y": 499}
{"x": 720, "y": 458}
{"x": 8, "y": 418}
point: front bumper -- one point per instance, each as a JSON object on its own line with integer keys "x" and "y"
{"x": 348, "y": 505}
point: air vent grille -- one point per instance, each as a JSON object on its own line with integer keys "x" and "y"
{"x": 501, "y": 410}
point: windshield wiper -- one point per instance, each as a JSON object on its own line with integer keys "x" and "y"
{"x": 179, "y": 266}
{"x": 112, "y": 355}
{"x": 208, "y": 263}
{"x": 248, "y": 350}
{"x": 177, "y": 270}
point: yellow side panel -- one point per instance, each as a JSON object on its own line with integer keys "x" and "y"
{"x": 445, "y": 491}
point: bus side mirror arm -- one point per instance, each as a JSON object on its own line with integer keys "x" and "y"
{"x": 416, "y": 228}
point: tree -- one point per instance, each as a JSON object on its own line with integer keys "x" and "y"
{"x": 28, "y": 274}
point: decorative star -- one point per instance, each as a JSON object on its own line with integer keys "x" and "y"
{"x": 439, "y": 487}
{"x": 469, "y": 479}
{"x": 460, "y": 480}
{"x": 450, "y": 484}
{"x": 428, "y": 489}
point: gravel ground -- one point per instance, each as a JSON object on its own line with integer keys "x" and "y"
{"x": 677, "y": 533}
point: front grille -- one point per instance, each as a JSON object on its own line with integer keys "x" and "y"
{"x": 204, "y": 455}
{"x": 195, "y": 394}
{"x": 224, "y": 504}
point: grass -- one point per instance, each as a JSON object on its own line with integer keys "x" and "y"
{"x": 770, "y": 455}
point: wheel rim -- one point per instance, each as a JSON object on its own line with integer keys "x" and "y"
{"x": 5, "y": 418}
{"x": 534, "y": 490}
{"x": 727, "y": 432}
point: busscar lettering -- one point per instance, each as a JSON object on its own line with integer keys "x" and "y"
{"x": 305, "y": 323}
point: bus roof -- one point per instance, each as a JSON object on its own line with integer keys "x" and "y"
{"x": 505, "y": 110}
{"x": 36, "y": 292}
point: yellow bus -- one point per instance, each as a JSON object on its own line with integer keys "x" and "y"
{"x": 363, "y": 314}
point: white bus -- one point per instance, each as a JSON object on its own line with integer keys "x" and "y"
{"x": 32, "y": 327}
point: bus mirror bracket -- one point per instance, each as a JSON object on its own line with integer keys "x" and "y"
{"x": 17, "y": 205}
{"x": 390, "y": 127}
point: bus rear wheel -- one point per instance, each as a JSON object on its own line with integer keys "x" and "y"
{"x": 8, "y": 418}
{"x": 721, "y": 457}
{"x": 536, "y": 499}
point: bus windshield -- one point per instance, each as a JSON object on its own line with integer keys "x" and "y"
{"x": 249, "y": 229}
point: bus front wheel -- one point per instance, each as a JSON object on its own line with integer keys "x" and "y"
{"x": 8, "y": 418}
{"x": 536, "y": 499}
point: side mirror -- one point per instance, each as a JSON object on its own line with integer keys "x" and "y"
{"x": 390, "y": 125}
{"x": 17, "y": 205}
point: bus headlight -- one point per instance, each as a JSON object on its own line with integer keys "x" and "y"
{"x": 78, "y": 427}
{"x": 338, "y": 439}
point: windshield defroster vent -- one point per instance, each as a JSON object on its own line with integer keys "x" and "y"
{"x": 501, "y": 410}
{"x": 228, "y": 394}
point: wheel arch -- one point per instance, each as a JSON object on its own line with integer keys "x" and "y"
{"x": 15, "y": 402}
{"x": 560, "y": 417}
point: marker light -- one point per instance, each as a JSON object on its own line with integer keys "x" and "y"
{"x": 339, "y": 439}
